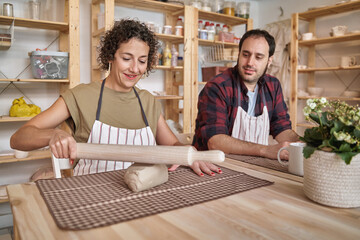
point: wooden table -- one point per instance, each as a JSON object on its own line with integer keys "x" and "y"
{"x": 279, "y": 211}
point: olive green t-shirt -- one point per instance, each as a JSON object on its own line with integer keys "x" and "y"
{"x": 118, "y": 109}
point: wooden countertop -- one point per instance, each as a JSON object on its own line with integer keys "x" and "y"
{"x": 279, "y": 211}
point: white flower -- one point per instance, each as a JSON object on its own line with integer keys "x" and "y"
{"x": 323, "y": 100}
{"x": 309, "y": 101}
{"x": 312, "y": 105}
{"x": 340, "y": 136}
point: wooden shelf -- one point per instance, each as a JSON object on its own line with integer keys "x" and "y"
{"x": 345, "y": 38}
{"x": 177, "y": 68}
{"x": 306, "y": 124}
{"x": 204, "y": 42}
{"x": 223, "y": 18}
{"x": 202, "y": 83}
{"x": 14, "y": 119}
{"x": 33, "y": 155}
{"x": 3, "y": 194}
{"x": 151, "y": 5}
{"x": 169, "y": 97}
{"x": 329, "y": 10}
{"x": 357, "y": 67}
{"x": 32, "y": 23}
{"x": 98, "y": 32}
{"x": 332, "y": 98}
{"x": 35, "y": 80}
{"x": 172, "y": 38}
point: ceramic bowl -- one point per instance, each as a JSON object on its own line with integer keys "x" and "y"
{"x": 307, "y": 36}
{"x": 315, "y": 91}
{"x": 339, "y": 30}
{"x": 351, "y": 94}
{"x": 20, "y": 154}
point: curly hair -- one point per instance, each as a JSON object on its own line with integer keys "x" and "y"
{"x": 122, "y": 32}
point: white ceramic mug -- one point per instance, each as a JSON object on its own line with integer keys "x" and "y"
{"x": 295, "y": 163}
{"x": 348, "y": 61}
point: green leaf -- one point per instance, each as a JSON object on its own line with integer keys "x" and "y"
{"x": 357, "y": 133}
{"x": 347, "y": 156}
{"x": 345, "y": 147}
{"x": 308, "y": 151}
{"x": 324, "y": 119}
{"x": 314, "y": 117}
{"x": 338, "y": 126}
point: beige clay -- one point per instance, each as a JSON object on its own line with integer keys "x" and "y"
{"x": 142, "y": 176}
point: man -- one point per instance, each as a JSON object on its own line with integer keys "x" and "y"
{"x": 240, "y": 107}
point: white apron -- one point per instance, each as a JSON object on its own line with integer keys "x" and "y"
{"x": 106, "y": 134}
{"x": 249, "y": 128}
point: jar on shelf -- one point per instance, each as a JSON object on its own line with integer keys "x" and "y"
{"x": 218, "y": 29}
{"x": 211, "y": 35}
{"x": 196, "y": 3}
{"x": 206, "y": 5}
{"x": 225, "y": 28}
{"x": 203, "y": 34}
{"x": 243, "y": 10}
{"x": 167, "y": 29}
{"x": 229, "y": 8}
{"x": 218, "y": 6}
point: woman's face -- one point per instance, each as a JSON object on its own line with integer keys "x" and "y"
{"x": 129, "y": 64}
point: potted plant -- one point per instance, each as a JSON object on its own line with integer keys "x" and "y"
{"x": 331, "y": 154}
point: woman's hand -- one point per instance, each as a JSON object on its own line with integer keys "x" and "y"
{"x": 62, "y": 144}
{"x": 199, "y": 167}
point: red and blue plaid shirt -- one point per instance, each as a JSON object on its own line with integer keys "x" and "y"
{"x": 217, "y": 106}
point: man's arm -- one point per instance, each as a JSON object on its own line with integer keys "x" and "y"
{"x": 287, "y": 136}
{"x": 230, "y": 145}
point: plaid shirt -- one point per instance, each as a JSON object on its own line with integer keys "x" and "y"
{"x": 217, "y": 106}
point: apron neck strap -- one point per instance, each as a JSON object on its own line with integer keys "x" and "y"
{"x": 100, "y": 101}
{"x": 142, "y": 109}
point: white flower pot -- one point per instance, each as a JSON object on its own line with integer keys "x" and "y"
{"x": 329, "y": 181}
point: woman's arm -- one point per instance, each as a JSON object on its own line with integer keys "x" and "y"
{"x": 41, "y": 131}
{"x": 164, "y": 136}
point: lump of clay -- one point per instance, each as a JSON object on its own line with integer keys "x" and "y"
{"x": 142, "y": 176}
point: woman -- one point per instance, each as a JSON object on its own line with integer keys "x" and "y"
{"x": 113, "y": 111}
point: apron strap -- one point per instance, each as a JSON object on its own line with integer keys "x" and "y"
{"x": 100, "y": 100}
{"x": 142, "y": 109}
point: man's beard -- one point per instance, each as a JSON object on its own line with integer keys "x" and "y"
{"x": 254, "y": 80}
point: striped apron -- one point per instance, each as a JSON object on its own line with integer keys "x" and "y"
{"x": 105, "y": 134}
{"x": 249, "y": 128}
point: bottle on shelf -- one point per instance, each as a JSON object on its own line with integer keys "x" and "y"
{"x": 200, "y": 25}
{"x": 174, "y": 56}
{"x": 167, "y": 56}
{"x": 179, "y": 28}
{"x": 225, "y": 28}
{"x": 206, "y": 5}
{"x": 217, "y": 29}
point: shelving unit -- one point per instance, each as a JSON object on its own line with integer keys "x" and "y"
{"x": 311, "y": 16}
{"x": 171, "y": 13}
{"x": 190, "y": 41}
{"x": 230, "y": 21}
{"x": 69, "y": 38}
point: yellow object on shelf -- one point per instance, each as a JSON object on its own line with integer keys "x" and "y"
{"x": 20, "y": 108}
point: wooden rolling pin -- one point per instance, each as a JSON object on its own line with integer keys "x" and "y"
{"x": 181, "y": 155}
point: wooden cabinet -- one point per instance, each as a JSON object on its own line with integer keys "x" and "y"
{"x": 311, "y": 16}
{"x": 68, "y": 42}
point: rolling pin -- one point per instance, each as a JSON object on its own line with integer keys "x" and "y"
{"x": 181, "y": 155}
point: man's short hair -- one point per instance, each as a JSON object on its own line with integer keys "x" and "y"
{"x": 259, "y": 33}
